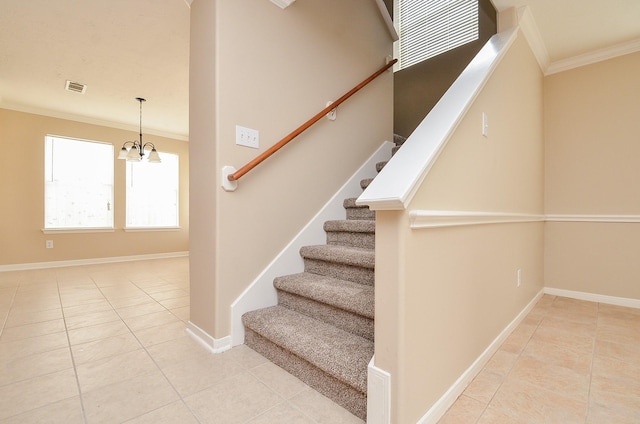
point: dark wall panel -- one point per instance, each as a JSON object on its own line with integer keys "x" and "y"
{"x": 418, "y": 88}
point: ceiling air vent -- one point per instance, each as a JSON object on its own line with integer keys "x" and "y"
{"x": 76, "y": 87}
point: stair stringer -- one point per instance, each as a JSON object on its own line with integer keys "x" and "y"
{"x": 261, "y": 293}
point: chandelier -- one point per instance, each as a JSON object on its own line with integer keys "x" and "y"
{"x": 135, "y": 152}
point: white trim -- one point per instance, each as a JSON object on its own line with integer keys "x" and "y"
{"x": 203, "y": 338}
{"x": 387, "y": 20}
{"x": 594, "y": 57}
{"x": 444, "y": 403}
{"x": 378, "y": 394}
{"x": 421, "y": 219}
{"x": 398, "y": 182}
{"x": 531, "y": 32}
{"x": 594, "y": 218}
{"x": 143, "y": 229}
{"x": 592, "y": 297}
{"x": 282, "y": 4}
{"x": 436, "y": 219}
{"x": 77, "y": 230}
{"x": 92, "y": 261}
{"x": 261, "y": 293}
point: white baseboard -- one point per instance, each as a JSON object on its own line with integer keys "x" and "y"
{"x": 208, "y": 342}
{"x": 261, "y": 293}
{"x": 378, "y": 395}
{"x": 592, "y": 297}
{"x": 92, "y": 261}
{"x": 444, "y": 403}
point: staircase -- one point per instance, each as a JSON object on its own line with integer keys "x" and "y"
{"x": 322, "y": 329}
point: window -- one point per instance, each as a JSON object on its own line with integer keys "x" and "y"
{"x": 152, "y": 193}
{"x": 430, "y": 27}
{"x": 78, "y": 189}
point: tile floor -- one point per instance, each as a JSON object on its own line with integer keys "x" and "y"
{"x": 107, "y": 344}
{"x": 569, "y": 361}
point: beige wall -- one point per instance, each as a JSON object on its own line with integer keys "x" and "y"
{"x": 203, "y": 171}
{"x": 593, "y": 168}
{"x": 22, "y": 192}
{"x": 444, "y": 294}
{"x": 272, "y": 73}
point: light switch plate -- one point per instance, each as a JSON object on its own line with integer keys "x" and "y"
{"x": 247, "y": 137}
{"x": 485, "y": 125}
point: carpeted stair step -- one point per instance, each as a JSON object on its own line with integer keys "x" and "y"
{"x": 332, "y": 361}
{"x": 344, "y": 304}
{"x": 399, "y": 140}
{"x": 343, "y": 262}
{"x": 351, "y": 232}
{"x": 357, "y": 211}
{"x": 365, "y": 183}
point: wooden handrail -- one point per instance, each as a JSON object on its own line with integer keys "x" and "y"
{"x": 271, "y": 150}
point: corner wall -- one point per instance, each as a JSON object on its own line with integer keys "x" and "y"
{"x": 272, "y": 73}
{"x": 592, "y": 174}
{"x": 22, "y": 241}
{"x": 444, "y": 294}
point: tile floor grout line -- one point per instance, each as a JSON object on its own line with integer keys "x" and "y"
{"x": 523, "y": 350}
{"x": 284, "y": 400}
{"x": 593, "y": 357}
{"x": 518, "y": 356}
{"x": 159, "y": 368}
{"x": 6, "y": 317}
{"x": 73, "y": 360}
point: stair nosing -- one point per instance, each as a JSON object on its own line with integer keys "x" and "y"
{"x": 347, "y": 255}
{"x": 286, "y": 283}
{"x": 350, "y": 226}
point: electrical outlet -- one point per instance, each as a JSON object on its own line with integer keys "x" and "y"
{"x": 49, "y": 244}
{"x": 247, "y": 137}
{"x": 519, "y": 277}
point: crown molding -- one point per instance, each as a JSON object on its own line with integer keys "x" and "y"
{"x": 600, "y": 55}
{"x": 529, "y": 28}
{"x": 89, "y": 120}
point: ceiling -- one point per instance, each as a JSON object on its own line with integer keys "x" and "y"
{"x": 123, "y": 49}
{"x": 570, "y": 28}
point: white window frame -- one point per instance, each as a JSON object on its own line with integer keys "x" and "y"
{"x": 55, "y": 169}
{"x": 427, "y": 28}
{"x": 163, "y": 185}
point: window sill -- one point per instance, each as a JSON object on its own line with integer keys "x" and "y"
{"x": 77, "y": 230}
{"x": 140, "y": 229}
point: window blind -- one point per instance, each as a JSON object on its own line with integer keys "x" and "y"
{"x": 431, "y": 27}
